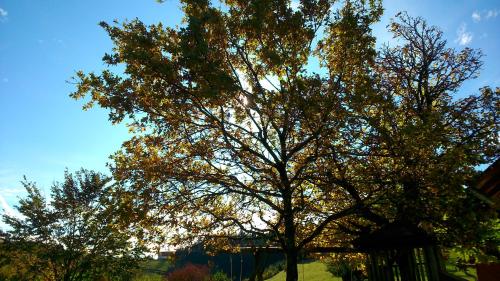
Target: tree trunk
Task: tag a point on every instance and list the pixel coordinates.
(292, 273)
(291, 251)
(259, 266)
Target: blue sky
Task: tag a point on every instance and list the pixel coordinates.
(43, 43)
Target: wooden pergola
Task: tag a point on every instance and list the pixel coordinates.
(401, 252)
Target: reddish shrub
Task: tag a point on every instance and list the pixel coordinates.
(190, 272)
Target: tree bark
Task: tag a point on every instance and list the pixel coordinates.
(292, 273)
(291, 251)
(259, 264)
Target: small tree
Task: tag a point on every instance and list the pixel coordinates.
(73, 237)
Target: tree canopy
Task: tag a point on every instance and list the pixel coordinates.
(72, 237)
(285, 122)
(421, 142)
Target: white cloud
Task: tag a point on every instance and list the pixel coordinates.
(6, 209)
(12, 192)
(464, 37)
(59, 42)
(10, 181)
(476, 16)
(491, 14)
(484, 15)
(243, 80)
(270, 83)
(3, 15)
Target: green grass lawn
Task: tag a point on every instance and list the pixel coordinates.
(471, 272)
(313, 271)
(148, 277)
(451, 267)
(150, 270)
(154, 265)
(316, 271)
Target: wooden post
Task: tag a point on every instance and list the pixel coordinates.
(241, 267)
(432, 264)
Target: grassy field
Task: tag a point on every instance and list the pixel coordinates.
(470, 276)
(155, 265)
(151, 270)
(313, 271)
(148, 277)
(451, 267)
(316, 271)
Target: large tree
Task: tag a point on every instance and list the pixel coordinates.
(424, 137)
(233, 130)
(74, 236)
(275, 121)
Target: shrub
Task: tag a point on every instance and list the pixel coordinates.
(273, 269)
(219, 276)
(344, 269)
(148, 277)
(190, 272)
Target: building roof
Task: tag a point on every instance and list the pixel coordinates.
(394, 235)
(489, 181)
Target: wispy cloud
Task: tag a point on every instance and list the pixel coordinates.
(10, 189)
(464, 37)
(491, 14)
(3, 14)
(12, 192)
(6, 209)
(52, 41)
(476, 16)
(10, 183)
(484, 15)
